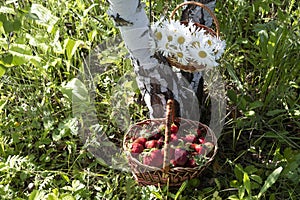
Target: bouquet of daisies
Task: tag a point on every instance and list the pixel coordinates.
(187, 43)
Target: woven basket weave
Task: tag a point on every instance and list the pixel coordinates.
(190, 67)
(149, 175)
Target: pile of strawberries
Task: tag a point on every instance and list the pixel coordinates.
(188, 148)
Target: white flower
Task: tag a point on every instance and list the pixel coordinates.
(203, 56)
(209, 42)
(199, 33)
(182, 56)
(186, 43)
(219, 48)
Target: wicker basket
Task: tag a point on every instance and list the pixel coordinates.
(190, 67)
(172, 176)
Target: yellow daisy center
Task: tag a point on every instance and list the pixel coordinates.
(158, 35)
(179, 55)
(170, 38)
(167, 45)
(209, 42)
(196, 43)
(202, 54)
(180, 39)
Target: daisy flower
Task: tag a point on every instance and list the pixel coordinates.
(209, 42)
(181, 38)
(182, 56)
(199, 33)
(203, 56)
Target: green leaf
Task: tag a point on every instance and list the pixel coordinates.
(75, 90)
(43, 16)
(272, 113)
(250, 169)
(233, 197)
(256, 178)
(36, 195)
(65, 177)
(256, 104)
(11, 26)
(181, 189)
(22, 54)
(247, 183)
(241, 192)
(7, 10)
(7, 60)
(52, 197)
(67, 197)
(2, 72)
(270, 181)
(71, 47)
(232, 95)
(234, 183)
(238, 171)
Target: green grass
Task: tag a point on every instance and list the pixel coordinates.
(42, 154)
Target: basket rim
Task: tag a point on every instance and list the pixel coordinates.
(202, 6)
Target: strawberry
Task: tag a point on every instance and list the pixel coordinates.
(174, 128)
(140, 140)
(137, 148)
(202, 140)
(190, 138)
(160, 142)
(191, 163)
(174, 139)
(181, 156)
(155, 136)
(151, 144)
(173, 163)
(155, 158)
(197, 147)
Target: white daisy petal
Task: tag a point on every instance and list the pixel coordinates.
(203, 56)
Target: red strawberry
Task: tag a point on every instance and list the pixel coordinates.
(174, 139)
(137, 148)
(151, 144)
(197, 147)
(190, 138)
(202, 140)
(140, 140)
(181, 157)
(155, 136)
(174, 128)
(160, 142)
(173, 163)
(155, 158)
(191, 163)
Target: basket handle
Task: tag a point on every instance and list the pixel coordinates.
(169, 121)
(202, 6)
